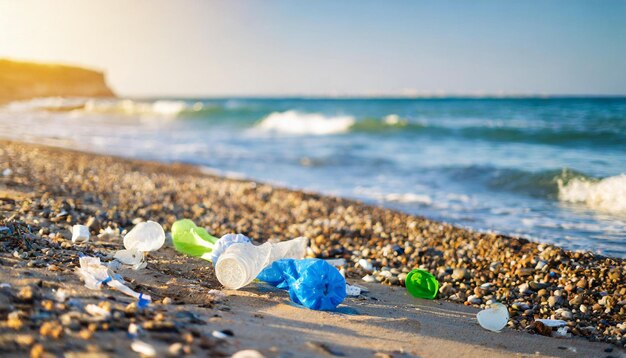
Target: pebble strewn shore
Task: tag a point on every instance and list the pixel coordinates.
(52, 189)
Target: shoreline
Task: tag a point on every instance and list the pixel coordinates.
(534, 280)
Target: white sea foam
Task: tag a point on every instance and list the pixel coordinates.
(159, 108)
(607, 195)
(299, 123)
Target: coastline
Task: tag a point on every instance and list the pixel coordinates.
(539, 280)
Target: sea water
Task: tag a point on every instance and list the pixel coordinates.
(549, 169)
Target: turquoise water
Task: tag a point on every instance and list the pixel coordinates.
(550, 169)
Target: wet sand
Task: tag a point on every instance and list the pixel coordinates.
(48, 190)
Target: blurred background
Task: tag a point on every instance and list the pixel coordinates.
(494, 115)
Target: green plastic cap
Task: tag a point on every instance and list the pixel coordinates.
(422, 284)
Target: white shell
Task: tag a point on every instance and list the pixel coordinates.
(145, 236)
(80, 233)
(493, 318)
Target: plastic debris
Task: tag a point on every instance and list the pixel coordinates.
(422, 284)
(241, 263)
(192, 240)
(562, 333)
(144, 237)
(227, 333)
(131, 257)
(313, 283)
(353, 290)
(366, 265)
(143, 348)
(95, 274)
(80, 233)
(552, 322)
(108, 233)
(493, 318)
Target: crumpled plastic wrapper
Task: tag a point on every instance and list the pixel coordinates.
(95, 274)
(313, 283)
(144, 237)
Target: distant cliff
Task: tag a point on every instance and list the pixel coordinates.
(24, 80)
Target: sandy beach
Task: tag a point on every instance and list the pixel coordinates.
(44, 191)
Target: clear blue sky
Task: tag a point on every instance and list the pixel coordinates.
(154, 47)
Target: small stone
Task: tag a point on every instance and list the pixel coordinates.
(565, 314)
(37, 351)
(495, 266)
(459, 274)
(582, 283)
(14, 321)
(474, 300)
(446, 289)
(248, 353)
(402, 278)
(540, 265)
(525, 271)
(25, 294)
(524, 289)
(554, 300)
(24, 339)
(167, 301)
(51, 329)
(520, 306)
(583, 309)
(577, 300)
(542, 329)
(80, 233)
(369, 278)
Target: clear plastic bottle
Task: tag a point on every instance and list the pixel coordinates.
(242, 262)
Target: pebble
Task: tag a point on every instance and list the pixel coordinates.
(248, 353)
(366, 265)
(143, 348)
(459, 274)
(25, 294)
(369, 278)
(554, 301)
(524, 289)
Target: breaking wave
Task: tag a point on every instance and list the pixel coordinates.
(606, 195)
(125, 107)
(299, 123)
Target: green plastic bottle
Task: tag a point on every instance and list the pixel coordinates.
(422, 284)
